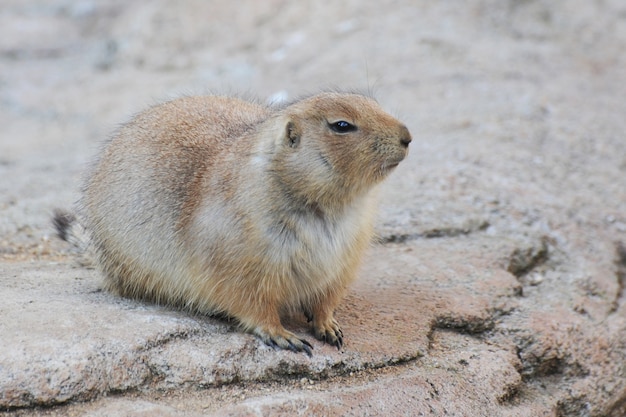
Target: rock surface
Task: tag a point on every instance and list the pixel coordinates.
(497, 284)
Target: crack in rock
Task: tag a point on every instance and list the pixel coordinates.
(546, 357)
(620, 263)
(474, 324)
(526, 259)
(469, 227)
(578, 406)
(465, 324)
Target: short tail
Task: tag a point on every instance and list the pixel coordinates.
(62, 221)
(70, 230)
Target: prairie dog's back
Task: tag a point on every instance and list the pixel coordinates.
(150, 173)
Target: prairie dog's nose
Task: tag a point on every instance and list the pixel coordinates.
(405, 136)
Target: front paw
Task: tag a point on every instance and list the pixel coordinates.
(329, 332)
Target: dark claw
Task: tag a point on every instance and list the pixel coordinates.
(306, 346)
(306, 343)
(338, 339)
(271, 343)
(339, 343)
(293, 347)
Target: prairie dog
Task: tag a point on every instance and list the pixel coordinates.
(219, 205)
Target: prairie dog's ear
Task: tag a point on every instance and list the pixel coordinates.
(292, 134)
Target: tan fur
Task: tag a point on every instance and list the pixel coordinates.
(221, 205)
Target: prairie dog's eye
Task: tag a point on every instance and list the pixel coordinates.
(342, 126)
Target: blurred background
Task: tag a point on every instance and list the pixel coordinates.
(499, 94)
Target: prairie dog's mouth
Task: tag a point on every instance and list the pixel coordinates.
(391, 163)
(389, 166)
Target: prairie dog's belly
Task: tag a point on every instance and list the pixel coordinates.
(300, 256)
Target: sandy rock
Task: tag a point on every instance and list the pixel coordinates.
(496, 286)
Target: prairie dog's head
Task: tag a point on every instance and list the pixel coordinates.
(334, 146)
